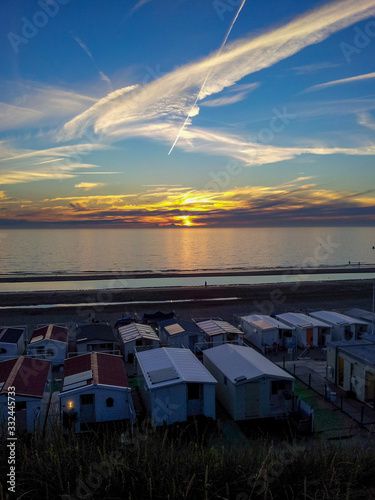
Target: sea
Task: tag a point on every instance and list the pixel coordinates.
(191, 250)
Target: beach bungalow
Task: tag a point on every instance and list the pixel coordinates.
(309, 331)
(351, 366)
(363, 315)
(27, 381)
(137, 335)
(249, 385)
(12, 341)
(181, 333)
(98, 337)
(343, 327)
(218, 332)
(174, 385)
(49, 342)
(266, 333)
(95, 390)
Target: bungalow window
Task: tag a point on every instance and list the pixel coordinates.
(20, 405)
(193, 391)
(3, 351)
(109, 402)
(40, 350)
(278, 385)
(138, 342)
(87, 399)
(225, 380)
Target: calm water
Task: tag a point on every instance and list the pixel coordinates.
(51, 251)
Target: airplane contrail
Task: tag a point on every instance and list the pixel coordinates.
(208, 75)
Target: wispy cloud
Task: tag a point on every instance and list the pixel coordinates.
(157, 110)
(229, 98)
(314, 68)
(89, 185)
(340, 82)
(138, 5)
(84, 47)
(366, 120)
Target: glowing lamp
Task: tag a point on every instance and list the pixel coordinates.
(70, 405)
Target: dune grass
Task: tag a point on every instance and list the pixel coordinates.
(185, 462)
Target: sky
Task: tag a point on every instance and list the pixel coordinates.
(213, 113)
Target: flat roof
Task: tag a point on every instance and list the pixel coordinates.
(216, 327)
(360, 314)
(52, 332)
(363, 353)
(168, 366)
(27, 375)
(242, 363)
(94, 368)
(337, 318)
(11, 335)
(254, 318)
(301, 320)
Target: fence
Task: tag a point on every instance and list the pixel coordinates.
(358, 411)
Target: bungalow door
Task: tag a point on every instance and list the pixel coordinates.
(251, 400)
(369, 387)
(310, 337)
(87, 408)
(194, 399)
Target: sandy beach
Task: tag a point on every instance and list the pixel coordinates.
(188, 302)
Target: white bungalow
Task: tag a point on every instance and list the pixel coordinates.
(363, 315)
(12, 341)
(351, 366)
(180, 332)
(249, 385)
(343, 327)
(49, 342)
(30, 380)
(137, 335)
(174, 385)
(309, 331)
(218, 332)
(96, 337)
(95, 390)
(265, 332)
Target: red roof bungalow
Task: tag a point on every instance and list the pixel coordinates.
(25, 381)
(49, 342)
(95, 389)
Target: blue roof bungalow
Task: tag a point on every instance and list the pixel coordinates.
(175, 385)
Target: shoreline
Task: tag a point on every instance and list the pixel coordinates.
(280, 293)
(24, 278)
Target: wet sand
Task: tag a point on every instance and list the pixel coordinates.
(352, 268)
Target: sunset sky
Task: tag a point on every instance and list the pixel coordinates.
(270, 107)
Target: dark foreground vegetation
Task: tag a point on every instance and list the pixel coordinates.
(186, 462)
